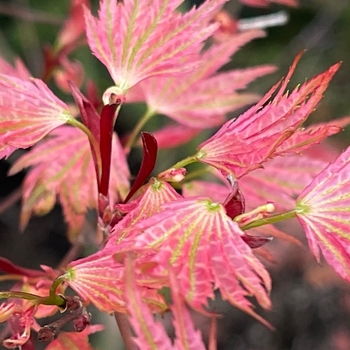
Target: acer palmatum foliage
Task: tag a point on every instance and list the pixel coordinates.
(166, 235)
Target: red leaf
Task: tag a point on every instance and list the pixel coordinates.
(150, 149)
(234, 203)
(9, 267)
(106, 132)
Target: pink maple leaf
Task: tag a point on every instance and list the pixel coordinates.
(135, 40)
(99, 279)
(197, 238)
(71, 176)
(323, 210)
(150, 334)
(202, 97)
(242, 145)
(28, 112)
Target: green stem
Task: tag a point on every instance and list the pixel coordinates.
(270, 220)
(55, 284)
(182, 163)
(136, 131)
(55, 300)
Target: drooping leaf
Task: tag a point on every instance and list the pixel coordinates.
(187, 337)
(28, 112)
(323, 209)
(71, 176)
(150, 335)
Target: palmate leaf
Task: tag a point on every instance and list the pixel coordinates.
(204, 247)
(242, 145)
(138, 39)
(323, 209)
(71, 176)
(201, 98)
(28, 112)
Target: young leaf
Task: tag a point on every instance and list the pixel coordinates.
(150, 149)
(323, 209)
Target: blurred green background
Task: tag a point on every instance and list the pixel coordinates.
(312, 308)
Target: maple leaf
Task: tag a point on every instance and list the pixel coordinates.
(155, 194)
(242, 145)
(71, 176)
(197, 238)
(136, 40)
(201, 98)
(323, 209)
(150, 334)
(28, 112)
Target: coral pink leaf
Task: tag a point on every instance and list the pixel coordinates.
(280, 181)
(98, 279)
(28, 112)
(8, 267)
(304, 138)
(187, 337)
(183, 234)
(150, 335)
(243, 145)
(156, 194)
(135, 40)
(150, 149)
(71, 176)
(323, 210)
(234, 203)
(107, 120)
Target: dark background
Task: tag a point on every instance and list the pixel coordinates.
(311, 305)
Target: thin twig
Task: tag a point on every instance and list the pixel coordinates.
(125, 330)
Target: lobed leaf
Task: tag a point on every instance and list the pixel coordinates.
(28, 112)
(135, 40)
(242, 145)
(323, 209)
